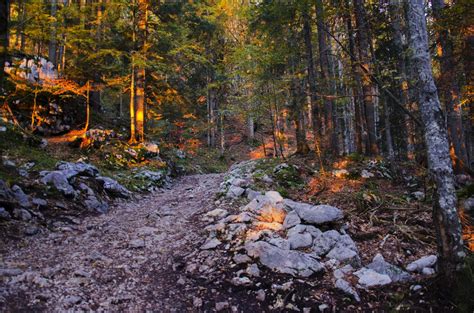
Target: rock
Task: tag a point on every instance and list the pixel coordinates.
(93, 204)
(112, 187)
(59, 179)
(418, 265)
(300, 240)
(270, 213)
(241, 281)
(154, 177)
(260, 295)
(211, 244)
(323, 307)
(31, 230)
(370, 278)
(217, 213)
(341, 272)
(340, 173)
(136, 243)
(366, 174)
(291, 220)
(345, 287)
(239, 182)
(274, 196)
(151, 148)
(243, 217)
(415, 288)
(279, 242)
(418, 195)
(5, 192)
(9, 164)
(395, 273)
(235, 192)
(468, 206)
(344, 255)
(39, 203)
(3, 129)
(81, 168)
(147, 231)
(22, 214)
(267, 179)
(253, 270)
(319, 214)
(252, 194)
(284, 261)
(197, 302)
(324, 242)
(22, 199)
(222, 306)
(241, 258)
(72, 300)
(275, 226)
(4, 214)
(427, 271)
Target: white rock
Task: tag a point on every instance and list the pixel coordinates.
(300, 240)
(253, 270)
(274, 196)
(217, 213)
(345, 287)
(211, 244)
(235, 192)
(427, 271)
(370, 278)
(291, 220)
(418, 265)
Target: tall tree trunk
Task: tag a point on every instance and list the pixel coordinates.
(133, 134)
(445, 215)
(368, 87)
(311, 79)
(52, 39)
(450, 91)
(4, 18)
(326, 77)
(468, 62)
(140, 98)
(395, 14)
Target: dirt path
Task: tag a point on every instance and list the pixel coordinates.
(126, 260)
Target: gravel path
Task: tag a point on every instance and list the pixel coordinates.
(126, 260)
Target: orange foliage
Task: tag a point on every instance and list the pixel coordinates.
(467, 230)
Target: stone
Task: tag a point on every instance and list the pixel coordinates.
(381, 266)
(284, 261)
(31, 230)
(136, 243)
(319, 214)
(345, 287)
(344, 255)
(22, 199)
(197, 302)
(211, 244)
(156, 177)
(217, 213)
(274, 196)
(4, 214)
(427, 271)
(241, 281)
(72, 300)
(93, 204)
(418, 195)
(324, 242)
(253, 270)
(235, 192)
(22, 214)
(59, 180)
(279, 242)
(239, 182)
(243, 217)
(267, 179)
(303, 240)
(418, 265)
(3, 129)
(323, 307)
(81, 168)
(241, 258)
(260, 295)
(270, 213)
(291, 219)
(275, 226)
(39, 203)
(252, 194)
(111, 186)
(370, 278)
(366, 174)
(222, 306)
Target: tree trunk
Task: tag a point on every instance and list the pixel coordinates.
(140, 98)
(4, 18)
(450, 91)
(52, 39)
(368, 88)
(311, 79)
(133, 137)
(445, 215)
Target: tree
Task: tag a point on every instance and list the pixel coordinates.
(445, 215)
(4, 17)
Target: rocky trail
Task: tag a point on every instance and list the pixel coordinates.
(129, 259)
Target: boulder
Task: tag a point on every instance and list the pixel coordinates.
(252, 194)
(370, 278)
(111, 186)
(58, 179)
(284, 261)
(303, 240)
(81, 168)
(291, 220)
(418, 265)
(319, 214)
(235, 192)
(274, 196)
(344, 255)
(381, 266)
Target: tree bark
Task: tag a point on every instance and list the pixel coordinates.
(4, 19)
(140, 98)
(368, 88)
(52, 39)
(450, 90)
(445, 215)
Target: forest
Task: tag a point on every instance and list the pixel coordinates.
(236, 155)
